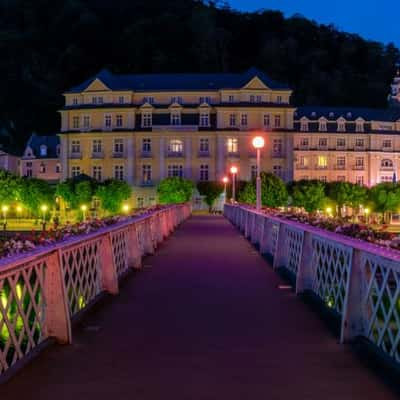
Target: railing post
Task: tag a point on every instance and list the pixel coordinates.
(134, 252)
(57, 321)
(304, 276)
(109, 274)
(353, 317)
(280, 248)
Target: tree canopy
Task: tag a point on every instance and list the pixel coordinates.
(112, 193)
(309, 195)
(210, 190)
(174, 190)
(42, 40)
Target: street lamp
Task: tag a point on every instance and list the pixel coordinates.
(366, 212)
(225, 180)
(4, 210)
(84, 209)
(234, 171)
(19, 211)
(258, 144)
(125, 208)
(44, 209)
(329, 211)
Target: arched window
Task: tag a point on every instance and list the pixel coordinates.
(43, 150)
(387, 163)
(175, 146)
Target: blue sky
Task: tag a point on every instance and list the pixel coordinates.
(372, 19)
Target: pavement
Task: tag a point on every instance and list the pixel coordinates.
(204, 319)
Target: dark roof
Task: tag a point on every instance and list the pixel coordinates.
(348, 113)
(178, 82)
(35, 141)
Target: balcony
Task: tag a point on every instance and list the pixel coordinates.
(203, 154)
(302, 166)
(233, 154)
(146, 154)
(118, 154)
(175, 154)
(358, 167)
(340, 167)
(321, 167)
(76, 155)
(147, 183)
(96, 155)
(277, 154)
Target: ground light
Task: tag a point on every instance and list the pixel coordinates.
(258, 144)
(329, 211)
(125, 208)
(44, 209)
(84, 209)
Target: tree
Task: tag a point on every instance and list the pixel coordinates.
(273, 191)
(34, 193)
(358, 195)
(385, 198)
(210, 190)
(10, 186)
(339, 192)
(174, 190)
(84, 192)
(112, 193)
(309, 195)
(66, 190)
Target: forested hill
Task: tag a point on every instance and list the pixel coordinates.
(50, 45)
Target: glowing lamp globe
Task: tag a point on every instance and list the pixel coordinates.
(43, 208)
(258, 142)
(83, 207)
(234, 170)
(225, 179)
(125, 208)
(4, 209)
(19, 209)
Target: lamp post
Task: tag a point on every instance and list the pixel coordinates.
(234, 171)
(225, 181)
(84, 209)
(4, 210)
(366, 212)
(258, 144)
(44, 209)
(125, 208)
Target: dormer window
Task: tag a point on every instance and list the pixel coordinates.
(205, 99)
(175, 118)
(304, 125)
(341, 125)
(359, 126)
(43, 150)
(204, 119)
(75, 101)
(147, 119)
(323, 125)
(279, 99)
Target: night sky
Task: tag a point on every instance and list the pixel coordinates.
(373, 19)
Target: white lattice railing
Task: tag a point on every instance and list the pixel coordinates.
(42, 291)
(359, 281)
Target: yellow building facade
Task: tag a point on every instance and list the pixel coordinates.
(143, 128)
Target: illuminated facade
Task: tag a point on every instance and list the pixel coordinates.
(143, 128)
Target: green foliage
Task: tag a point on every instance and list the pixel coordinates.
(174, 190)
(10, 186)
(273, 191)
(358, 196)
(112, 193)
(34, 193)
(308, 194)
(211, 191)
(200, 38)
(84, 192)
(385, 197)
(76, 192)
(66, 190)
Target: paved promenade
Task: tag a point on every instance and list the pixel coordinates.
(204, 319)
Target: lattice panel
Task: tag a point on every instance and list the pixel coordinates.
(382, 303)
(294, 247)
(119, 242)
(140, 232)
(274, 234)
(21, 312)
(81, 269)
(330, 267)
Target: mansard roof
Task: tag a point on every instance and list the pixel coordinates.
(51, 142)
(178, 82)
(313, 113)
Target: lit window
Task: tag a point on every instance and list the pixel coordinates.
(175, 146)
(232, 145)
(204, 172)
(303, 161)
(322, 162)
